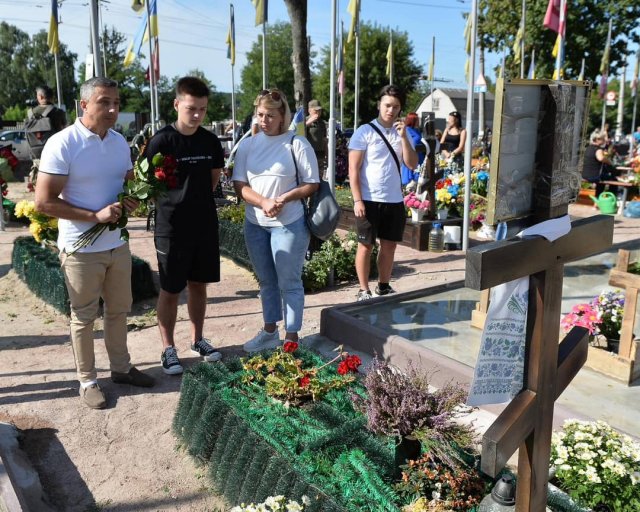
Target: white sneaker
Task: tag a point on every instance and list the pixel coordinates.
(262, 341)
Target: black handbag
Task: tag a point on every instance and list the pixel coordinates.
(321, 210)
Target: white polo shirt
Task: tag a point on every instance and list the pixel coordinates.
(96, 169)
(379, 174)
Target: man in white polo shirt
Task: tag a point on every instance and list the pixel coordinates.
(375, 152)
(82, 171)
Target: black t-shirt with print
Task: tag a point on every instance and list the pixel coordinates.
(189, 209)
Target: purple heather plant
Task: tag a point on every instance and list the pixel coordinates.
(399, 404)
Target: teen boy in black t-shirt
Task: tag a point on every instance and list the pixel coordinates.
(186, 233)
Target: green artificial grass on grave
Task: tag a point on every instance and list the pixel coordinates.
(256, 447)
(39, 268)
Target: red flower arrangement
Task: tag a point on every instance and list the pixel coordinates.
(146, 186)
(4, 188)
(285, 378)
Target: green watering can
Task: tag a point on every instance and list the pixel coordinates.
(607, 203)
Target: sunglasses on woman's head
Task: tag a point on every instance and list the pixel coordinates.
(275, 95)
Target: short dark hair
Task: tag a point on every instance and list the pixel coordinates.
(193, 86)
(45, 91)
(392, 90)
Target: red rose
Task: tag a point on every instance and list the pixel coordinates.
(304, 381)
(290, 346)
(343, 369)
(172, 181)
(30, 187)
(160, 174)
(353, 362)
(5, 192)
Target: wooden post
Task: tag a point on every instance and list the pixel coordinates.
(527, 420)
(622, 278)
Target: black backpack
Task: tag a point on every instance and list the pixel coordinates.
(38, 129)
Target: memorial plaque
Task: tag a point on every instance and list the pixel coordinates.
(537, 147)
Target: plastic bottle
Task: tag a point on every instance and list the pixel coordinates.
(501, 231)
(436, 238)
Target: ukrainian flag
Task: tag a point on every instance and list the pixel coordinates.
(231, 39)
(297, 123)
(354, 9)
(261, 11)
(52, 38)
(134, 46)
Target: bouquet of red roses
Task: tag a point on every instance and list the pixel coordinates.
(149, 182)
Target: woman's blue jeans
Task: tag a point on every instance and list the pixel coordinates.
(277, 255)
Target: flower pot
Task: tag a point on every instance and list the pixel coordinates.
(417, 214)
(613, 345)
(407, 448)
(443, 214)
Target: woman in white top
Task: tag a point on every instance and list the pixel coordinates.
(272, 184)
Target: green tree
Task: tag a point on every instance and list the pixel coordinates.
(27, 63)
(279, 52)
(374, 42)
(587, 26)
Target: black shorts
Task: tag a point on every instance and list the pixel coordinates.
(382, 220)
(181, 260)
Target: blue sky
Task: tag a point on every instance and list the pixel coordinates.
(193, 32)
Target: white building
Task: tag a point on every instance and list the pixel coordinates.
(444, 101)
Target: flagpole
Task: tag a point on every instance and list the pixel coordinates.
(264, 55)
(342, 73)
(331, 167)
(432, 67)
(620, 117)
(152, 71)
(604, 93)
(95, 40)
(524, 25)
(391, 57)
(356, 84)
(561, 31)
(233, 86)
(634, 91)
(469, 126)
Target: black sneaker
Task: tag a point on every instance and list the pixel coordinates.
(385, 290)
(170, 362)
(203, 348)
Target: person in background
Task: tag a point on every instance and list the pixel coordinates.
(597, 166)
(186, 233)
(82, 171)
(453, 139)
(316, 130)
(374, 176)
(57, 121)
(411, 123)
(274, 170)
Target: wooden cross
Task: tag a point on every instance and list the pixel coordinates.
(527, 421)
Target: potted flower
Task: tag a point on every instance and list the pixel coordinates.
(418, 204)
(597, 466)
(450, 194)
(407, 407)
(602, 316)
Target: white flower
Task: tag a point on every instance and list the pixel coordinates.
(294, 506)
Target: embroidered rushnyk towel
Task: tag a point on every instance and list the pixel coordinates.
(498, 375)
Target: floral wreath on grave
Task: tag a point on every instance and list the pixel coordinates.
(287, 378)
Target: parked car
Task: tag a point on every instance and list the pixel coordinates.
(18, 140)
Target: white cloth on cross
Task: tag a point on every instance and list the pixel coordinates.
(499, 371)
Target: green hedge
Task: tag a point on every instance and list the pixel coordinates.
(40, 269)
(256, 447)
(231, 236)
